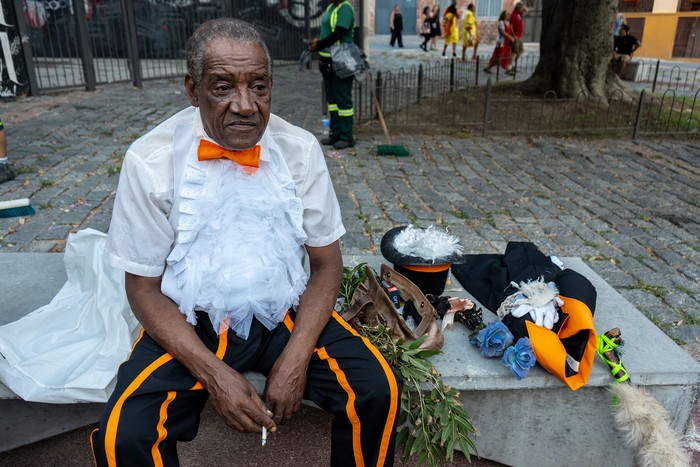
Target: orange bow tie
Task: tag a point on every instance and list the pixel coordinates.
(249, 159)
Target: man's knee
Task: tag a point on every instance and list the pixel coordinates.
(382, 394)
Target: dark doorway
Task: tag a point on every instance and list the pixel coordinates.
(687, 43)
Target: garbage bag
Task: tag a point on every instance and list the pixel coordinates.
(348, 60)
(69, 350)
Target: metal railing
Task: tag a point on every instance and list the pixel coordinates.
(447, 96)
(74, 43)
(658, 76)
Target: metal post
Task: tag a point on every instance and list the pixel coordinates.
(420, 81)
(132, 48)
(81, 36)
(378, 90)
(452, 74)
(307, 23)
(638, 120)
(235, 8)
(361, 38)
(656, 75)
(476, 78)
(485, 127)
(26, 50)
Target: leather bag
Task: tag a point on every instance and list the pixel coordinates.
(371, 306)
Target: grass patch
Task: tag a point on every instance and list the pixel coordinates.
(45, 183)
(46, 205)
(26, 169)
(590, 243)
(541, 195)
(609, 259)
(459, 214)
(655, 290)
(685, 290)
(114, 169)
(639, 258)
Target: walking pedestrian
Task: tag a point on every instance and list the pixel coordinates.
(425, 31)
(502, 53)
(516, 24)
(396, 26)
(434, 26)
(450, 31)
(470, 35)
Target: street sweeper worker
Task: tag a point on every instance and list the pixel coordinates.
(337, 26)
(215, 209)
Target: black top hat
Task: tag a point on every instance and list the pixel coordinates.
(428, 273)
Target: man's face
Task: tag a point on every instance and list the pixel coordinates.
(234, 93)
(623, 32)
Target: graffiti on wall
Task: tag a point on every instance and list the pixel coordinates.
(11, 75)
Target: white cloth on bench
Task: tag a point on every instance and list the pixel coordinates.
(69, 350)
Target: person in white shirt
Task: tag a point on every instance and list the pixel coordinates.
(215, 210)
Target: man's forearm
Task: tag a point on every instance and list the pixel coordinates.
(162, 320)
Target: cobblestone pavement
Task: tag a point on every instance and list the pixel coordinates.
(631, 209)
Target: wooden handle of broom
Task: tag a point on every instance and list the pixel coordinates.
(379, 112)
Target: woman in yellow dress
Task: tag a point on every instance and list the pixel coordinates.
(450, 31)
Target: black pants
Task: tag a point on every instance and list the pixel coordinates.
(339, 99)
(157, 402)
(396, 35)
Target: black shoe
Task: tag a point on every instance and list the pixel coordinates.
(329, 140)
(342, 144)
(6, 173)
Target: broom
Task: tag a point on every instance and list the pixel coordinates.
(386, 149)
(16, 208)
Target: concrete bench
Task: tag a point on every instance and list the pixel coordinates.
(518, 422)
(633, 70)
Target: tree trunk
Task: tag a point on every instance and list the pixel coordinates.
(576, 49)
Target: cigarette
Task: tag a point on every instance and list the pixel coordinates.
(264, 436)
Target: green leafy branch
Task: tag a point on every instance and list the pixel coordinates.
(432, 421)
(352, 277)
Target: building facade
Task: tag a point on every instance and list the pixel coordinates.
(668, 29)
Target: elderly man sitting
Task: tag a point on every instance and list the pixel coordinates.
(214, 212)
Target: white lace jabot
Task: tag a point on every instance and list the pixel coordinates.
(239, 243)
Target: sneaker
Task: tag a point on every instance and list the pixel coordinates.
(6, 173)
(329, 140)
(342, 144)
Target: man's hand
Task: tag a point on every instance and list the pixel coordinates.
(287, 378)
(237, 402)
(313, 45)
(285, 386)
(233, 396)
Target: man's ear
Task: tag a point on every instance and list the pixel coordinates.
(192, 91)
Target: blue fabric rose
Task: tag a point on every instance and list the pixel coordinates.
(494, 339)
(519, 358)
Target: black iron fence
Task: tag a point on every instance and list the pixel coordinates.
(448, 95)
(74, 43)
(657, 76)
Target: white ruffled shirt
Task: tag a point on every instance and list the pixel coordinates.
(169, 219)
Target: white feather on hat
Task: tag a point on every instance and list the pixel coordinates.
(428, 243)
